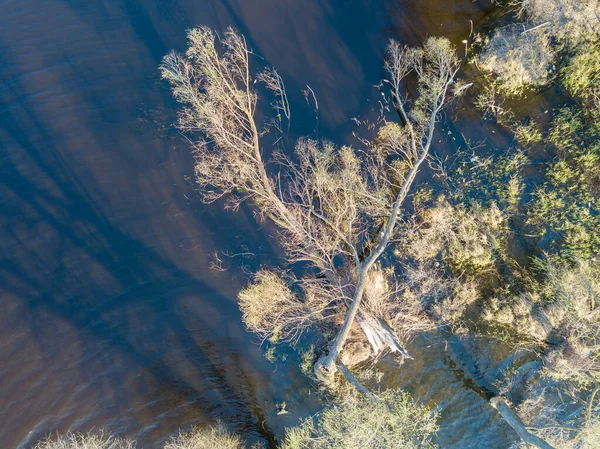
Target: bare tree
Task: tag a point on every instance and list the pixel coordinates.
(336, 208)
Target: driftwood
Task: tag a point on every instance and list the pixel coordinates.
(500, 404)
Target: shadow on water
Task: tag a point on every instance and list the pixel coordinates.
(146, 279)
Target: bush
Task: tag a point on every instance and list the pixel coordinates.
(100, 440)
(582, 74)
(465, 238)
(430, 298)
(519, 60)
(563, 313)
(271, 310)
(393, 421)
(561, 438)
(564, 209)
(574, 294)
(211, 437)
(572, 21)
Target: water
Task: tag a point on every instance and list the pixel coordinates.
(110, 317)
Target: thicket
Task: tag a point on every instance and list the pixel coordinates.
(519, 229)
(357, 421)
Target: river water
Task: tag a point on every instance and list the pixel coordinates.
(109, 314)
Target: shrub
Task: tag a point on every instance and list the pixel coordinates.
(522, 318)
(519, 60)
(573, 21)
(582, 74)
(465, 238)
(497, 180)
(528, 133)
(565, 438)
(211, 437)
(393, 421)
(562, 312)
(565, 207)
(100, 440)
(575, 292)
(271, 310)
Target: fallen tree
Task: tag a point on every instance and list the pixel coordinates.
(327, 202)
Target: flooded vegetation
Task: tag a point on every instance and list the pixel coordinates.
(324, 241)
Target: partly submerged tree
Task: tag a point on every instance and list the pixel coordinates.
(336, 208)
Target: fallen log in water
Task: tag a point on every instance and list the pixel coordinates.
(500, 404)
(354, 381)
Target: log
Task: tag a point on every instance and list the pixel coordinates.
(500, 404)
(354, 381)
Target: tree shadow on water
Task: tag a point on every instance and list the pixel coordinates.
(53, 243)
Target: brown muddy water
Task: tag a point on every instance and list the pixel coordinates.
(109, 314)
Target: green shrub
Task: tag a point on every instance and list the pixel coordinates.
(582, 74)
(528, 133)
(565, 207)
(495, 180)
(211, 437)
(393, 421)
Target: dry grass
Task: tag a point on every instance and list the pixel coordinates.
(519, 59)
(452, 252)
(564, 438)
(574, 293)
(379, 294)
(563, 309)
(429, 298)
(524, 314)
(212, 437)
(98, 440)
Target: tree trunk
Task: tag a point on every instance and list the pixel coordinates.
(499, 403)
(325, 366)
(355, 382)
(380, 335)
